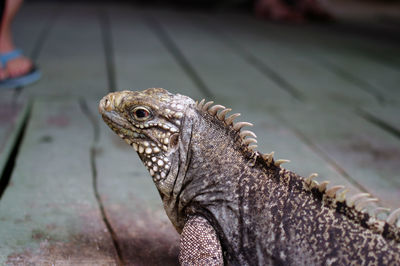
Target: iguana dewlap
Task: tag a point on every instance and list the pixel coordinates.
(233, 205)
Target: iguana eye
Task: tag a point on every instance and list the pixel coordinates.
(141, 113)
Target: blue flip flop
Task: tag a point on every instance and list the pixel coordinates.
(32, 76)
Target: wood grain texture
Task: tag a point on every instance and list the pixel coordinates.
(13, 114)
(368, 154)
(141, 59)
(49, 214)
(72, 56)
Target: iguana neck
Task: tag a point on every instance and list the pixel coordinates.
(216, 160)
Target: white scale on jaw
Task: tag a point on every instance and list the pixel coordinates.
(156, 162)
(157, 166)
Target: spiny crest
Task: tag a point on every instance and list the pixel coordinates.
(332, 195)
(218, 111)
(248, 137)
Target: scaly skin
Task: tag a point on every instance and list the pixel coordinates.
(213, 184)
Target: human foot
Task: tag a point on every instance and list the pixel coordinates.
(16, 64)
(19, 71)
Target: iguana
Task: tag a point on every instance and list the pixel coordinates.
(233, 205)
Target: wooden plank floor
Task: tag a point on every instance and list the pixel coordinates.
(72, 193)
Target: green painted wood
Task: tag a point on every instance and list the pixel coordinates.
(334, 52)
(388, 114)
(27, 29)
(382, 77)
(12, 117)
(72, 56)
(316, 83)
(48, 214)
(141, 59)
(227, 74)
(368, 154)
(335, 37)
(31, 25)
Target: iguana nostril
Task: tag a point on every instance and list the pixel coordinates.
(107, 105)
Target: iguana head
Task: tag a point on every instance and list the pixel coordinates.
(151, 122)
(183, 144)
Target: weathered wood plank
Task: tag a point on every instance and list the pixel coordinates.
(388, 114)
(227, 74)
(32, 24)
(72, 56)
(141, 59)
(12, 117)
(329, 38)
(332, 52)
(316, 83)
(49, 214)
(27, 30)
(380, 76)
(368, 154)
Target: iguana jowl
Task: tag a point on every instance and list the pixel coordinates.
(234, 205)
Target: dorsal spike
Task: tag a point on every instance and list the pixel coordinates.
(252, 147)
(247, 133)
(322, 186)
(356, 197)
(310, 178)
(221, 115)
(201, 103)
(332, 191)
(214, 109)
(379, 210)
(281, 161)
(230, 118)
(206, 105)
(249, 140)
(393, 216)
(314, 184)
(341, 197)
(237, 126)
(360, 205)
(268, 156)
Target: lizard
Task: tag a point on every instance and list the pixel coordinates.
(234, 205)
